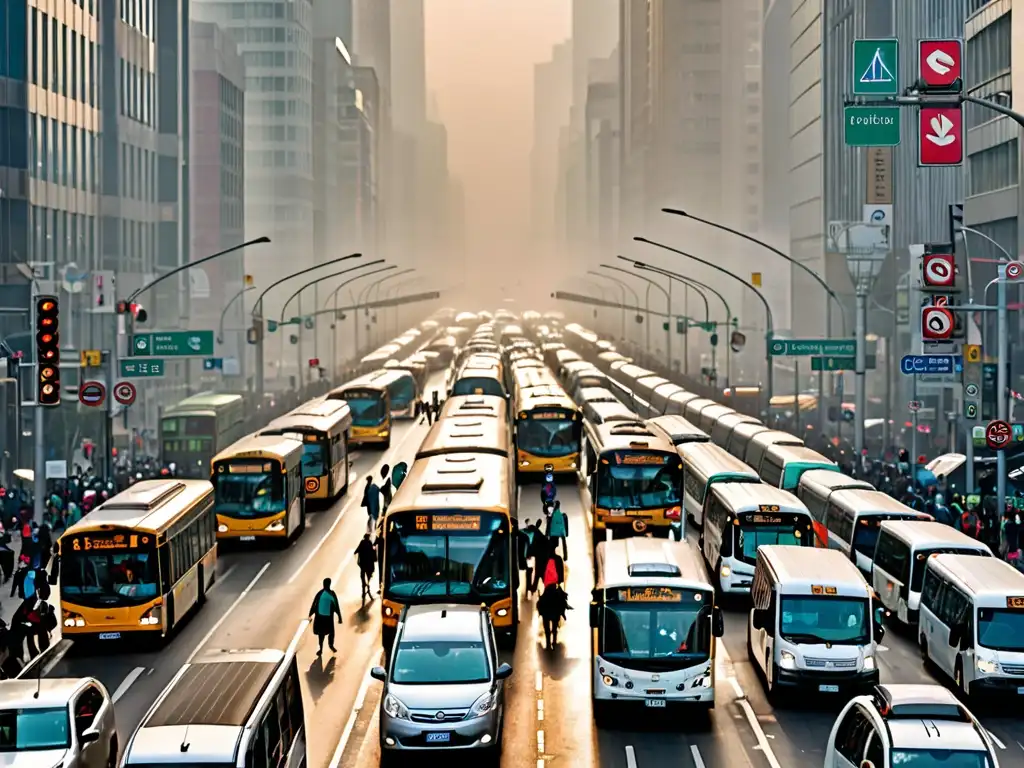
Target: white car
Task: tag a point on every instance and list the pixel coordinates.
(902, 725)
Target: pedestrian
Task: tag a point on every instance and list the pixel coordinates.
(970, 523)
(558, 529)
(322, 611)
(45, 539)
(538, 552)
(428, 413)
(552, 607)
(366, 559)
(371, 503)
(385, 485)
(554, 566)
(21, 575)
(6, 556)
(548, 491)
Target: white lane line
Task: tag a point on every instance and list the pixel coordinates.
(630, 758)
(995, 739)
(346, 734)
(540, 742)
(698, 761)
(540, 762)
(540, 710)
(227, 613)
(127, 683)
(748, 711)
(222, 577)
(539, 683)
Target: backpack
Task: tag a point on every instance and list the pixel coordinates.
(550, 573)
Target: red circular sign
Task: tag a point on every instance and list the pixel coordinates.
(92, 394)
(998, 434)
(1014, 270)
(124, 392)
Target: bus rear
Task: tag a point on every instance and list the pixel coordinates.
(258, 495)
(634, 490)
(548, 438)
(371, 414)
(189, 441)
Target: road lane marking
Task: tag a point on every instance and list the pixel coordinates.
(748, 711)
(227, 613)
(540, 742)
(350, 725)
(540, 710)
(630, 758)
(539, 684)
(222, 577)
(127, 683)
(698, 761)
(995, 739)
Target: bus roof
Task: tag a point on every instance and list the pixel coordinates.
(340, 419)
(711, 459)
(466, 434)
(471, 481)
(630, 436)
(775, 437)
(750, 497)
(862, 500)
(612, 412)
(813, 570)
(321, 407)
(982, 576)
(823, 482)
(149, 505)
(797, 453)
(926, 533)
(677, 429)
(543, 397)
(203, 402)
(639, 561)
(280, 447)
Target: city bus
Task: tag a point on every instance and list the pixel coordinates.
(548, 433)
(473, 379)
(705, 464)
(449, 536)
(259, 489)
(475, 405)
(635, 480)
(784, 464)
(323, 427)
(653, 612)
(467, 433)
(370, 405)
(140, 562)
(815, 488)
(740, 517)
(196, 429)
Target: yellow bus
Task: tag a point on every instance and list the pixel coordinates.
(323, 427)
(450, 537)
(259, 489)
(375, 400)
(467, 433)
(138, 563)
(635, 478)
(548, 432)
(475, 405)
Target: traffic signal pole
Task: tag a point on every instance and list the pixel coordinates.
(39, 475)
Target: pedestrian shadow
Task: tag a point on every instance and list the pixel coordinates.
(363, 616)
(319, 675)
(554, 663)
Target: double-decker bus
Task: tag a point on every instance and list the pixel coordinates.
(549, 432)
(323, 427)
(194, 430)
(450, 537)
(259, 489)
(635, 478)
(137, 564)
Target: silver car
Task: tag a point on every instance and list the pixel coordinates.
(57, 723)
(444, 687)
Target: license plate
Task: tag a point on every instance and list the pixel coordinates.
(656, 703)
(439, 737)
(617, 512)
(1020, 690)
(110, 635)
(247, 538)
(828, 688)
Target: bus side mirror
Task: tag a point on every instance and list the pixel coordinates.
(717, 622)
(595, 617)
(760, 618)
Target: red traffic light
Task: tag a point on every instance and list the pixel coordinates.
(48, 350)
(314, 362)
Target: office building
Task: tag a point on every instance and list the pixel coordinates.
(408, 65)
(552, 92)
(634, 111)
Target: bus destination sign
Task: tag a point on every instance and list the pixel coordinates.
(91, 542)
(641, 458)
(1016, 603)
(247, 468)
(549, 415)
(360, 394)
(650, 595)
(758, 519)
(447, 522)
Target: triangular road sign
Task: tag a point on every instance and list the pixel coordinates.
(877, 71)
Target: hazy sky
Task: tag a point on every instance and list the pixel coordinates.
(480, 57)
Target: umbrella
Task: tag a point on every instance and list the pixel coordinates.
(25, 474)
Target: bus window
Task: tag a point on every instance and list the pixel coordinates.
(638, 486)
(549, 436)
(314, 457)
(368, 408)
(250, 489)
(673, 631)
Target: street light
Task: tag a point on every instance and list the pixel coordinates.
(365, 293)
(623, 287)
(647, 309)
(220, 326)
(393, 291)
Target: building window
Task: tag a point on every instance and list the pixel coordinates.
(988, 52)
(993, 168)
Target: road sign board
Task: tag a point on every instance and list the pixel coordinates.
(998, 434)
(92, 394)
(125, 392)
(842, 363)
(937, 324)
(940, 62)
(807, 347)
(91, 358)
(1014, 270)
(173, 344)
(972, 353)
(213, 364)
(871, 126)
(931, 365)
(140, 369)
(876, 67)
(940, 136)
(914, 406)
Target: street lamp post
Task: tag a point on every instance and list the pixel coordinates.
(393, 291)
(364, 294)
(355, 317)
(647, 310)
(223, 313)
(623, 287)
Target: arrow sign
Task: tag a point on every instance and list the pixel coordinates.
(941, 136)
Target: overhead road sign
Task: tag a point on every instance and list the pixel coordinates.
(808, 347)
(876, 67)
(941, 136)
(931, 365)
(871, 126)
(173, 344)
(842, 363)
(940, 64)
(141, 369)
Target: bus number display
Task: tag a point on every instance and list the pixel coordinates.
(640, 458)
(549, 415)
(360, 394)
(248, 468)
(116, 542)
(1015, 602)
(447, 522)
(650, 595)
(766, 520)
(818, 589)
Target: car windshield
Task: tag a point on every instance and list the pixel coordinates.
(1001, 629)
(639, 486)
(34, 729)
(98, 578)
(249, 495)
(440, 662)
(314, 459)
(657, 635)
(825, 619)
(939, 758)
(549, 437)
(367, 409)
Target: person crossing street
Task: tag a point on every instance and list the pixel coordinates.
(322, 611)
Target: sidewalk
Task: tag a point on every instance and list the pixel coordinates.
(9, 606)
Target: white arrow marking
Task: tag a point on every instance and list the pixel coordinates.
(940, 62)
(941, 127)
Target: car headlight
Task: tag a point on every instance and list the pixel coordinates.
(869, 662)
(787, 660)
(394, 708)
(484, 704)
(986, 667)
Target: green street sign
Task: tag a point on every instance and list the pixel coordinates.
(842, 363)
(141, 369)
(664, 326)
(808, 347)
(173, 344)
(871, 126)
(876, 67)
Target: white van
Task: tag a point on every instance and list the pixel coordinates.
(900, 557)
(812, 626)
(972, 622)
(705, 464)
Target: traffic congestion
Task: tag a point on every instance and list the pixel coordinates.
(502, 539)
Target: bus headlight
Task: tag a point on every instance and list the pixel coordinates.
(275, 527)
(73, 619)
(869, 662)
(389, 611)
(725, 572)
(222, 528)
(986, 667)
(610, 681)
(152, 617)
(787, 660)
(501, 612)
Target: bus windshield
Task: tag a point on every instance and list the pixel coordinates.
(1001, 629)
(249, 489)
(756, 530)
(478, 385)
(367, 407)
(654, 630)
(447, 554)
(314, 457)
(402, 392)
(101, 569)
(549, 434)
(639, 481)
(821, 619)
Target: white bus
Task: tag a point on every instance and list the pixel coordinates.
(972, 623)
(741, 437)
(900, 557)
(759, 444)
(814, 488)
(705, 464)
(725, 425)
(655, 623)
(812, 626)
(739, 518)
(678, 430)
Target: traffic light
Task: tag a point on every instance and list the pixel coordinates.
(48, 350)
(134, 309)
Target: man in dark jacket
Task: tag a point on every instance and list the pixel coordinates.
(366, 559)
(324, 608)
(538, 552)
